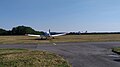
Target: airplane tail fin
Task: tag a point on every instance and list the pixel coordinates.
(49, 32)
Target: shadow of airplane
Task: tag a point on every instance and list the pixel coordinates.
(117, 60)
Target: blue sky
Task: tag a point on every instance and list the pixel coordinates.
(61, 15)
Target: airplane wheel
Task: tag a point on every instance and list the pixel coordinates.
(53, 38)
(41, 38)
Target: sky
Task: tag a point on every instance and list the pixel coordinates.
(61, 15)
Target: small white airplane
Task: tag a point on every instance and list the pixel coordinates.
(46, 35)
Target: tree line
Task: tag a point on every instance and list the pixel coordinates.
(19, 30)
(22, 30)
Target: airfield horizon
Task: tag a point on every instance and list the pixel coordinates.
(67, 38)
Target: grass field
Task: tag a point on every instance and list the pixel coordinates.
(67, 38)
(116, 50)
(28, 58)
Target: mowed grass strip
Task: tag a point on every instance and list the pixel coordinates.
(20, 40)
(89, 38)
(28, 58)
(66, 38)
(116, 50)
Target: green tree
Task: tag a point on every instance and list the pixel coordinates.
(22, 30)
(3, 32)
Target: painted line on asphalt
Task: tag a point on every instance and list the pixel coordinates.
(54, 43)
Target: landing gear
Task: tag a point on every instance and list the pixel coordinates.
(53, 38)
(41, 38)
(46, 38)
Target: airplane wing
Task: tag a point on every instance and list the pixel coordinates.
(58, 35)
(33, 35)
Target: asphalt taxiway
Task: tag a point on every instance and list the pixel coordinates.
(90, 54)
